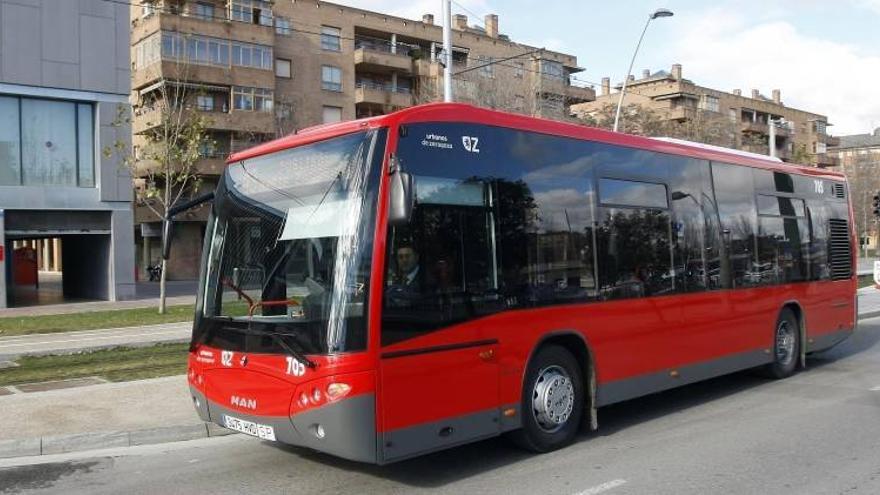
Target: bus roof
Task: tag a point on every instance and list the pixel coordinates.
(460, 112)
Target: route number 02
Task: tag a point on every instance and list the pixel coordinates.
(295, 367)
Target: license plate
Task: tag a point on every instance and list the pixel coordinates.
(249, 428)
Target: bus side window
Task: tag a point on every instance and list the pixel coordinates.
(633, 239)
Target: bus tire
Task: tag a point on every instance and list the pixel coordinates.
(552, 401)
(786, 346)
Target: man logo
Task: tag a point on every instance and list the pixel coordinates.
(243, 402)
(470, 143)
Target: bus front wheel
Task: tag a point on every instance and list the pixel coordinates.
(786, 346)
(552, 401)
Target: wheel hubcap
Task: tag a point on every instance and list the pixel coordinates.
(785, 343)
(552, 398)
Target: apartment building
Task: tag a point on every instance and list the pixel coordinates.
(66, 228)
(859, 157)
(261, 69)
(799, 135)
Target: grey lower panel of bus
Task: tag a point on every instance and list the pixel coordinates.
(349, 426)
(630, 388)
(438, 435)
(826, 341)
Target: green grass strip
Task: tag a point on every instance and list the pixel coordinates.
(117, 364)
(24, 325)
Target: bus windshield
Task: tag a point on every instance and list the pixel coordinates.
(287, 249)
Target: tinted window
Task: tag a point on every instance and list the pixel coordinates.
(503, 220)
(782, 243)
(634, 247)
(735, 197)
(779, 206)
(632, 193)
(693, 226)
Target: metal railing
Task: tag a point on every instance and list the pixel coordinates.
(378, 86)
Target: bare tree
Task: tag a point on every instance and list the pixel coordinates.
(170, 138)
(864, 183)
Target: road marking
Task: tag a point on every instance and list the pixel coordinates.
(604, 487)
(141, 330)
(181, 333)
(875, 389)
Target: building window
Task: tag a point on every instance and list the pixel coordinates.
(204, 11)
(205, 103)
(282, 26)
(710, 103)
(248, 55)
(282, 68)
(519, 70)
(330, 39)
(147, 9)
(10, 142)
(332, 114)
(552, 69)
(488, 68)
(46, 143)
(252, 99)
(820, 127)
(200, 50)
(251, 11)
(148, 51)
(331, 78)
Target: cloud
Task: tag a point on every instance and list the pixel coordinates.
(723, 50)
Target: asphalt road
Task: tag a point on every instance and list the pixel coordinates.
(817, 432)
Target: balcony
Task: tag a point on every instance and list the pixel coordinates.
(579, 94)
(375, 58)
(824, 160)
(202, 74)
(146, 119)
(216, 28)
(383, 95)
(755, 127)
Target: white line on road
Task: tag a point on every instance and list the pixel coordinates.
(875, 389)
(109, 337)
(141, 330)
(604, 487)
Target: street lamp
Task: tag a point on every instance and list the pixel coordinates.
(657, 13)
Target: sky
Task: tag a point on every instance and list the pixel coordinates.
(823, 55)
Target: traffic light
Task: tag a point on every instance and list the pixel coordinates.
(877, 205)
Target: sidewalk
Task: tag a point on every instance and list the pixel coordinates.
(69, 342)
(869, 302)
(100, 416)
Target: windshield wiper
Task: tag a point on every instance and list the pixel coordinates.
(298, 354)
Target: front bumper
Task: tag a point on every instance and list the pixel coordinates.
(349, 425)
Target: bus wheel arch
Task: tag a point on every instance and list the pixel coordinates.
(801, 318)
(575, 343)
(787, 344)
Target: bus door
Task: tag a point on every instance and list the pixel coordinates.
(439, 365)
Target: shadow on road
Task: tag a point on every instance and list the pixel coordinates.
(477, 459)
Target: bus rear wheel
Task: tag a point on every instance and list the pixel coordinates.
(786, 346)
(552, 401)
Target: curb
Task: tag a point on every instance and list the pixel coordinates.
(59, 444)
(869, 314)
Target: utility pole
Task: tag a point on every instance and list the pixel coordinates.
(771, 141)
(447, 50)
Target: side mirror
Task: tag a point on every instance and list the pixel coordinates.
(167, 234)
(402, 197)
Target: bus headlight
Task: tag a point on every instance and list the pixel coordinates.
(337, 390)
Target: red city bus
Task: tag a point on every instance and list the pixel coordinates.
(388, 287)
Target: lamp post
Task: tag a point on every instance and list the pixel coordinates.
(657, 13)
